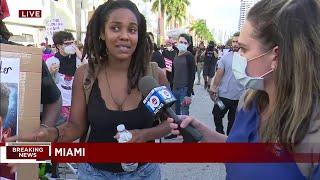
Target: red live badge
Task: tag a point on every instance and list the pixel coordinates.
(30, 13)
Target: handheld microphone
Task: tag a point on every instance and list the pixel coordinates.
(158, 98)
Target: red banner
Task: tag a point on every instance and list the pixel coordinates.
(154, 152)
(174, 152)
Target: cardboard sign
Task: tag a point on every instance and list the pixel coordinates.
(24, 64)
(9, 82)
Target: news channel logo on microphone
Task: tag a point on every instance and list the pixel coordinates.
(158, 98)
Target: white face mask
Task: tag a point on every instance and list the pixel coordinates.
(239, 66)
(69, 50)
(169, 48)
(182, 47)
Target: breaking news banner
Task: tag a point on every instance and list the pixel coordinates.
(145, 152)
(22, 152)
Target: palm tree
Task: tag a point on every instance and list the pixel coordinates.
(174, 9)
(177, 11)
(155, 8)
(201, 30)
(78, 7)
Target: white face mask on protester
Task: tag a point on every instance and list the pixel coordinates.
(69, 50)
(182, 47)
(239, 66)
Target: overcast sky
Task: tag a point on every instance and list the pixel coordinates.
(219, 14)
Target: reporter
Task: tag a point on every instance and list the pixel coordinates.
(279, 62)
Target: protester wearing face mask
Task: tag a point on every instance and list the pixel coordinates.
(209, 65)
(63, 66)
(278, 62)
(169, 54)
(183, 75)
(226, 87)
(200, 60)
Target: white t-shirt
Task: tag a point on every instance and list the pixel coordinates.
(63, 82)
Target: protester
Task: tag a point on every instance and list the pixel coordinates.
(183, 72)
(200, 60)
(210, 60)
(190, 46)
(226, 88)
(220, 52)
(156, 54)
(169, 54)
(158, 58)
(46, 50)
(63, 67)
(118, 54)
(279, 62)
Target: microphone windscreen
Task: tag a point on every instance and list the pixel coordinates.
(146, 84)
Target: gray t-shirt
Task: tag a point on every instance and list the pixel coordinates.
(230, 87)
(180, 78)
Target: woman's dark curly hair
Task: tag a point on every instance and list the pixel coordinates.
(95, 48)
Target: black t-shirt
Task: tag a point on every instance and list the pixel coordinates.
(169, 54)
(49, 90)
(158, 58)
(68, 64)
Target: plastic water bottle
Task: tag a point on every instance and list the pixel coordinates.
(219, 103)
(125, 136)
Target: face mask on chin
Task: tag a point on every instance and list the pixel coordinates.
(239, 66)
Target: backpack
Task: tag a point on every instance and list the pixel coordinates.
(89, 79)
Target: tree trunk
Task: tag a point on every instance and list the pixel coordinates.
(161, 28)
(78, 18)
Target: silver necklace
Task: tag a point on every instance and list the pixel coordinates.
(120, 105)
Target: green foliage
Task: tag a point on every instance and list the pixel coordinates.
(201, 30)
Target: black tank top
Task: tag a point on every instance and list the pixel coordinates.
(104, 123)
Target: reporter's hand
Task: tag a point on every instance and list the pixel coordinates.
(185, 121)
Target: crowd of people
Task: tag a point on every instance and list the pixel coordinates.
(267, 82)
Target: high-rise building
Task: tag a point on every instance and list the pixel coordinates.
(245, 6)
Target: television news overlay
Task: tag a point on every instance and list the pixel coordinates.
(25, 152)
(30, 13)
(37, 152)
(158, 98)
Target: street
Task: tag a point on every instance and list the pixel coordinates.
(201, 108)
